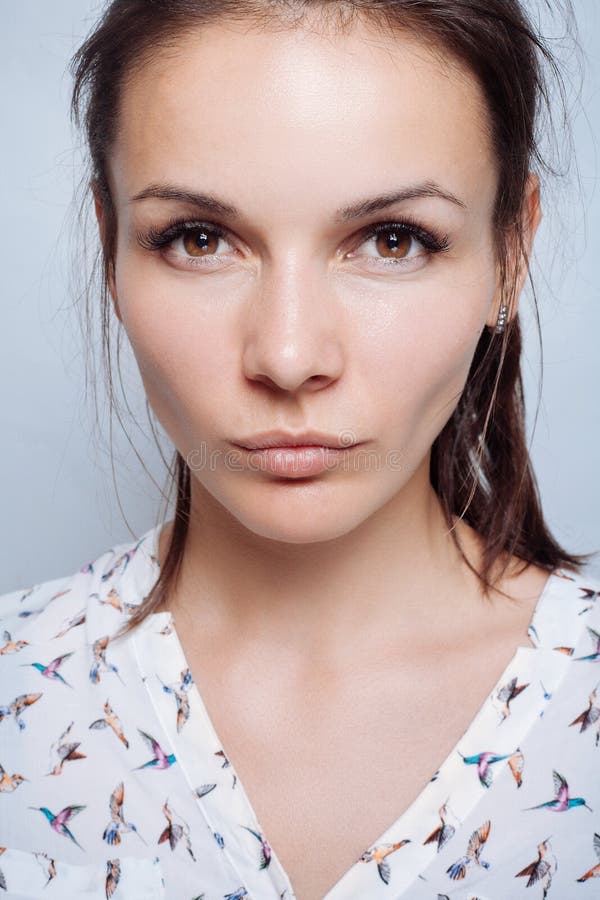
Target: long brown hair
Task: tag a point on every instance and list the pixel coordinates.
(480, 465)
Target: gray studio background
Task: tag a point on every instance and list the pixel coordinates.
(60, 505)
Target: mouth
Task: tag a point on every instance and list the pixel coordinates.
(299, 460)
(282, 439)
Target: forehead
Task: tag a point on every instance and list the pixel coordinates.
(295, 114)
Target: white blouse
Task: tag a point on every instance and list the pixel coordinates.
(114, 782)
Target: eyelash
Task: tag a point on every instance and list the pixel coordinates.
(433, 241)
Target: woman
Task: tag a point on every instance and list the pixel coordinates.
(347, 669)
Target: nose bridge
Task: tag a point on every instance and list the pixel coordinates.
(292, 329)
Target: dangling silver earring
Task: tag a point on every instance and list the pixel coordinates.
(501, 323)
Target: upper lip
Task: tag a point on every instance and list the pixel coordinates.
(288, 439)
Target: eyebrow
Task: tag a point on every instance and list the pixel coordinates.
(355, 210)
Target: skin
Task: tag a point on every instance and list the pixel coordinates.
(288, 331)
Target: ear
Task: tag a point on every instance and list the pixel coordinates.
(531, 218)
(101, 218)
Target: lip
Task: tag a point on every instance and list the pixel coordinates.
(277, 438)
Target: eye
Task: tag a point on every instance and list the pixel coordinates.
(190, 243)
(394, 240)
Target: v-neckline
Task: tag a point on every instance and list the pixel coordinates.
(452, 776)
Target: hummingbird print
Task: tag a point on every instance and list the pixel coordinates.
(379, 854)
(100, 662)
(117, 825)
(113, 876)
(237, 895)
(11, 646)
(64, 750)
(541, 869)
(442, 834)
(50, 670)
(179, 692)
(111, 720)
(594, 872)
(17, 707)
(226, 765)
(160, 759)
(265, 848)
(505, 695)
(175, 830)
(58, 822)
(562, 801)
(591, 595)
(9, 783)
(483, 761)
(595, 656)
(73, 622)
(48, 866)
(204, 789)
(458, 869)
(590, 714)
(123, 561)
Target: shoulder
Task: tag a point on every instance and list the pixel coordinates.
(568, 612)
(50, 609)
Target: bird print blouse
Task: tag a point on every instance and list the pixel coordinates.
(115, 784)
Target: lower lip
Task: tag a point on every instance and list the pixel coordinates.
(296, 462)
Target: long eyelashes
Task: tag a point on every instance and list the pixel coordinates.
(432, 240)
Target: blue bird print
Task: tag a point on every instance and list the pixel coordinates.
(58, 822)
(562, 801)
(160, 759)
(458, 869)
(51, 669)
(265, 848)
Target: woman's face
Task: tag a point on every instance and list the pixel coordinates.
(294, 317)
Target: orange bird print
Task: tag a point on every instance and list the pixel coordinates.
(117, 825)
(379, 854)
(594, 872)
(458, 869)
(505, 695)
(589, 715)
(73, 622)
(48, 866)
(541, 869)
(175, 831)
(442, 834)
(11, 646)
(17, 707)
(113, 876)
(100, 662)
(9, 783)
(62, 751)
(179, 690)
(111, 720)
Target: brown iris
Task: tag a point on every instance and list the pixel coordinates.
(394, 241)
(200, 242)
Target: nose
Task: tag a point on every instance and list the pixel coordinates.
(293, 331)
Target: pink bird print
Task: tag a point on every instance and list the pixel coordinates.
(87, 569)
(442, 834)
(17, 707)
(379, 854)
(594, 872)
(483, 761)
(589, 715)
(562, 800)
(11, 646)
(111, 720)
(541, 869)
(73, 622)
(179, 690)
(100, 662)
(58, 822)
(458, 869)
(117, 825)
(113, 876)
(265, 848)
(51, 670)
(505, 695)
(160, 759)
(9, 783)
(175, 831)
(62, 751)
(595, 656)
